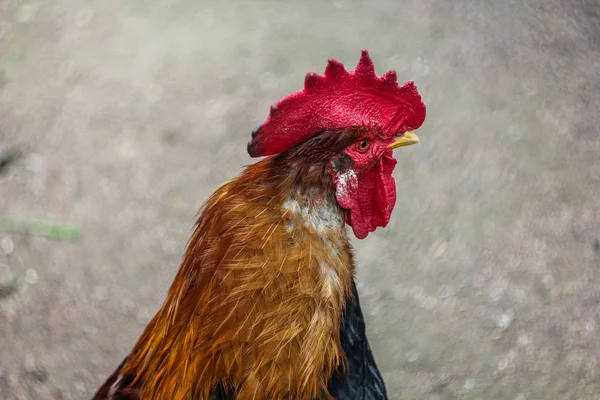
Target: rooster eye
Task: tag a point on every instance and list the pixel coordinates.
(363, 146)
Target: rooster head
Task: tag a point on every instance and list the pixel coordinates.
(371, 115)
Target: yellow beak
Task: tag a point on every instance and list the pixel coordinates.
(406, 139)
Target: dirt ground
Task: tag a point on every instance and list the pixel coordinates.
(125, 115)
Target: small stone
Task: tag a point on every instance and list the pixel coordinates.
(438, 248)
(412, 356)
(31, 276)
(502, 364)
(79, 388)
(444, 292)
(505, 320)
(469, 384)
(7, 244)
(590, 325)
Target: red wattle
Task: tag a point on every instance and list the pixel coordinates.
(370, 196)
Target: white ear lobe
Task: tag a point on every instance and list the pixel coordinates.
(346, 184)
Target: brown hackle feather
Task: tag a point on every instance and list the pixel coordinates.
(257, 303)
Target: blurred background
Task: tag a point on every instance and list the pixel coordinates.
(118, 119)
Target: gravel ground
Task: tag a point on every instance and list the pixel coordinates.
(125, 116)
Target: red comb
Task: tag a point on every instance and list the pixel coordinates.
(337, 100)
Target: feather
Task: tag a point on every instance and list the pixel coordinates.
(263, 305)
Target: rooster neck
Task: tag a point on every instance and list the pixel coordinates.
(314, 220)
(312, 205)
(258, 301)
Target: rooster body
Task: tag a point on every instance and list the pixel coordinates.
(264, 305)
(258, 304)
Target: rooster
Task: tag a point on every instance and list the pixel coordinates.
(264, 305)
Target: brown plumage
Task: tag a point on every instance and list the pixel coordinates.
(257, 302)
